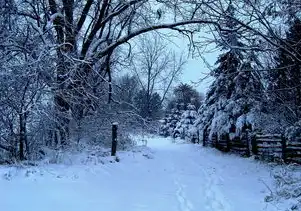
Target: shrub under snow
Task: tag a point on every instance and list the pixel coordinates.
(287, 187)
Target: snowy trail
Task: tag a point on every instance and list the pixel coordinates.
(180, 177)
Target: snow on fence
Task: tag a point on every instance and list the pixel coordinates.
(207, 141)
(236, 145)
(224, 143)
(292, 151)
(263, 146)
(268, 146)
(240, 146)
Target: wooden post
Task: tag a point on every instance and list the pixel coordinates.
(254, 145)
(214, 141)
(193, 139)
(228, 142)
(114, 139)
(283, 143)
(248, 153)
(204, 137)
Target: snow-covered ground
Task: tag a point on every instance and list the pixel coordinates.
(167, 177)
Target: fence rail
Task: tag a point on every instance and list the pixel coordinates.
(263, 146)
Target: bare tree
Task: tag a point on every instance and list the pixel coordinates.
(24, 73)
(88, 35)
(125, 91)
(156, 67)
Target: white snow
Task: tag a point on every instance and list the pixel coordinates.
(164, 177)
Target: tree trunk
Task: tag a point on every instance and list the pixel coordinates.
(61, 103)
(298, 94)
(66, 41)
(22, 135)
(62, 120)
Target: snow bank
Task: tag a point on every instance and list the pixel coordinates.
(64, 163)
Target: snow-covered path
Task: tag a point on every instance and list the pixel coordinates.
(179, 177)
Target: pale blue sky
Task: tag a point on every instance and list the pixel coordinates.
(195, 69)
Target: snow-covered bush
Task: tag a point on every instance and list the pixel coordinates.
(164, 127)
(286, 187)
(6, 157)
(180, 124)
(293, 131)
(83, 152)
(168, 124)
(185, 127)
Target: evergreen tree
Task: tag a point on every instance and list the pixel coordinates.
(285, 80)
(233, 94)
(185, 94)
(169, 122)
(148, 106)
(230, 37)
(185, 126)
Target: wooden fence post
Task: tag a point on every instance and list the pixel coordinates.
(283, 143)
(215, 141)
(204, 137)
(248, 153)
(114, 139)
(254, 145)
(228, 142)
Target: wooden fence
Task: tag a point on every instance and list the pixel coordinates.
(292, 150)
(263, 146)
(268, 146)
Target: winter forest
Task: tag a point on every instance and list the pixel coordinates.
(71, 68)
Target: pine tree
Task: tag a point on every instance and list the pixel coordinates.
(233, 94)
(185, 94)
(285, 80)
(229, 62)
(169, 122)
(185, 126)
(148, 106)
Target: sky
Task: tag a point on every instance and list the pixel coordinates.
(195, 68)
